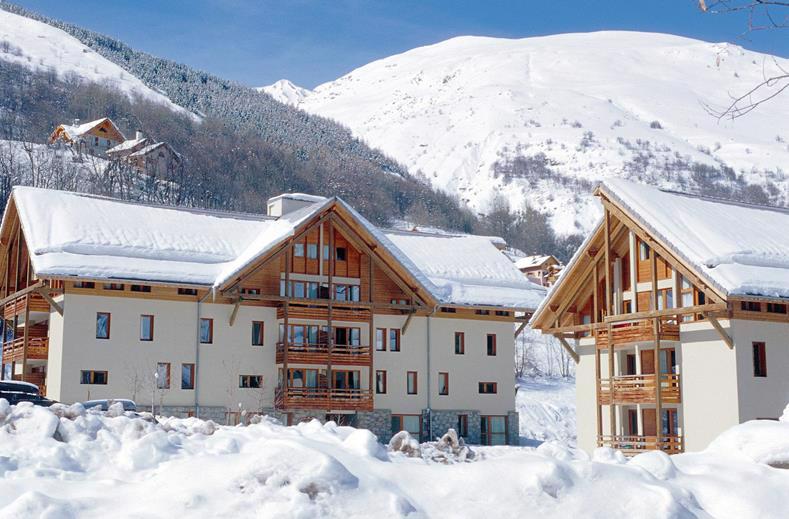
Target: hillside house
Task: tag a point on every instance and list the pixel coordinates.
(310, 311)
(678, 305)
(92, 138)
(146, 156)
(540, 269)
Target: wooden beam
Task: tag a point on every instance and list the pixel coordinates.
(44, 292)
(568, 348)
(717, 325)
(32, 288)
(234, 313)
(520, 328)
(607, 259)
(407, 322)
(666, 312)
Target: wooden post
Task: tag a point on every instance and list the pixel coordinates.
(26, 337)
(656, 324)
(612, 417)
(330, 338)
(598, 370)
(371, 333)
(595, 294)
(286, 334)
(607, 259)
(608, 264)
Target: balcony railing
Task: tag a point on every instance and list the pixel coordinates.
(356, 355)
(637, 331)
(640, 389)
(35, 303)
(37, 349)
(631, 445)
(324, 399)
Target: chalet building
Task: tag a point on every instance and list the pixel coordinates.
(678, 306)
(310, 311)
(92, 138)
(146, 156)
(542, 270)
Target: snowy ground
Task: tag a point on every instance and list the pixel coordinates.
(547, 410)
(69, 463)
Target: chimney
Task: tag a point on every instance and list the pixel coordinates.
(139, 135)
(76, 122)
(288, 202)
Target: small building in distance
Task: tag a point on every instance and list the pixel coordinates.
(92, 138)
(146, 156)
(540, 269)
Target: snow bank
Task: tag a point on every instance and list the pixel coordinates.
(69, 462)
(762, 441)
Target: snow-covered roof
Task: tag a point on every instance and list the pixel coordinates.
(73, 234)
(127, 145)
(151, 147)
(74, 132)
(532, 261)
(467, 270)
(741, 249)
(303, 197)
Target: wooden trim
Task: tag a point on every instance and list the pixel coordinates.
(234, 313)
(520, 328)
(719, 328)
(44, 292)
(568, 348)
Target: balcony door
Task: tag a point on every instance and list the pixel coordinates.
(648, 421)
(647, 362)
(347, 379)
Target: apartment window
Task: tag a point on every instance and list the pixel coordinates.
(354, 293)
(103, 325)
(462, 426)
(206, 330)
(411, 383)
(312, 290)
(407, 422)
(341, 292)
(325, 252)
(84, 284)
(93, 377)
(493, 430)
(141, 288)
(759, 360)
(312, 251)
(448, 310)
(502, 313)
(380, 382)
(776, 308)
(342, 254)
(491, 344)
(257, 333)
(380, 339)
(146, 327)
(163, 375)
(488, 388)
(751, 306)
(187, 376)
(394, 339)
(187, 291)
(250, 381)
(113, 286)
(460, 343)
(643, 251)
(299, 289)
(247, 291)
(298, 250)
(443, 383)
(482, 312)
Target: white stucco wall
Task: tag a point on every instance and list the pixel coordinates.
(586, 399)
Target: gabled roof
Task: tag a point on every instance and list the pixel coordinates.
(534, 261)
(129, 144)
(73, 234)
(75, 132)
(153, 147)
(742, 249)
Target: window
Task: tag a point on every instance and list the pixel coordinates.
(482, 312)
(187, 376)
(325, 252)
(643, 251)
(141, 288)
(488, 388)
(298, 250)
(353, 293)
(102, 325)
(247, 291)
(163, 375)
(146, 327)
(312, 290)
(759, 360)
(407, 422)
(751, 306)
(493, 430)
(299, 289)
(250, 381)
(448, 310)
(443, 383)
(380, 339)
(502, 313)
(206, 330)
(84, 284)
(411, 386)
(257, 333)
(312, 251)
(93, 377)
(380, 382)
(776, 308)
(460, 343)
(187, 291)
(462, 427)
(491, 343)
(113, 286)
(394, 339)
(341, 292)
(342, 254)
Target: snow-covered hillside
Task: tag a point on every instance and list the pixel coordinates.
(39, 46)
(65, 462)
(285, 92)
(576, 107)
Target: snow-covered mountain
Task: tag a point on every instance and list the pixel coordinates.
(285, 92)
(39, 46)
(572, 108)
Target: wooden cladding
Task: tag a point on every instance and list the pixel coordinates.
(323, 398)
(637, 331)
(311, 254)
(37, 349)
(321, 313)
(639, 389)
(320, 354)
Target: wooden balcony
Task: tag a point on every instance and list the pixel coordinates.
(37, 349)
(16, 306)
(639, 389)
(341, 311)
(319, 354)
(324, 399)
(632, 445)
(635, 332)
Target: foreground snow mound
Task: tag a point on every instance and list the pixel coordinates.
(763, 441)
(68, 462)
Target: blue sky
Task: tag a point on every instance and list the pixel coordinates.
(309, 42)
